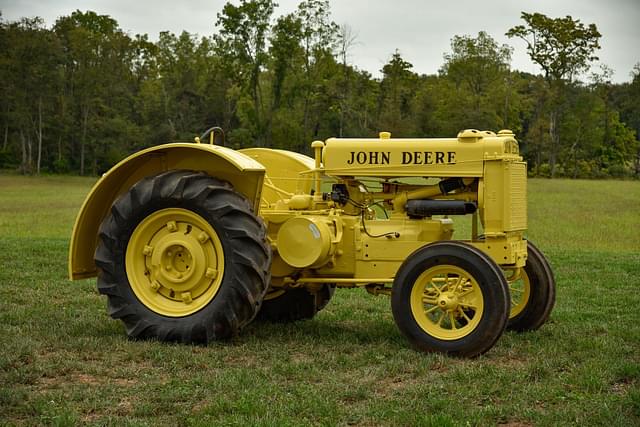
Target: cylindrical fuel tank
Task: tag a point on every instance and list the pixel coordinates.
(305, 241)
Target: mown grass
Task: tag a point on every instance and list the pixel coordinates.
(63, 361)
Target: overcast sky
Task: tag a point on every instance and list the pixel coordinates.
(420, 29)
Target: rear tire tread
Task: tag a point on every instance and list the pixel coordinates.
(247, 255)
(295, 304)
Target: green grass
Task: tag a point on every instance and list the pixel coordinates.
(63, 361)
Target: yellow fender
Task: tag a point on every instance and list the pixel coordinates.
(243, 172)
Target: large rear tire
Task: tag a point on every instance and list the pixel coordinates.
(294, 304)
(533, 293)
(182, 257)
(450, 297)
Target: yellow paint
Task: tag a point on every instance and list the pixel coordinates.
(243, 172)
(446, 302)
(174, 262)
(348, 217)
(505, 249)
(503, 197)
(493, 173)
(317, 147)
(519, 289)
(316, 240)
(284, 173)
(394, 157)
(305, 241)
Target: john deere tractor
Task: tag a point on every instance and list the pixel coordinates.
(192, 241)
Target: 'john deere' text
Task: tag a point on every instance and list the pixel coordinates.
(407, 157)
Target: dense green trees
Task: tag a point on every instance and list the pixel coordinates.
(82, 94)
(562, 47)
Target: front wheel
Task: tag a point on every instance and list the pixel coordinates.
(450, 297)
(533, 292)
(182, 257)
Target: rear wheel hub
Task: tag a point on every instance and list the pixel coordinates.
(174, 262)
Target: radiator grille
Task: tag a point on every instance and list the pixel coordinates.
(517, 218)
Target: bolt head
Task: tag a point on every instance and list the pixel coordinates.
(186, 297)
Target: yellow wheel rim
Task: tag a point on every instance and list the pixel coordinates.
(447, 302)
(519, 290)
(174, 262)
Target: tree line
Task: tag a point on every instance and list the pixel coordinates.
(79, 96)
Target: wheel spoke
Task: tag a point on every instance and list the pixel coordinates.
(467, 318)
(434, 286)
(432, 309)
(427, 300)
(469, 305)
(462, 294)
(446, 282)
(452, 320)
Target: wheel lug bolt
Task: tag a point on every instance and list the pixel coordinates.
(203, 237)
(186, 297)
(171, 226)
(147, 251)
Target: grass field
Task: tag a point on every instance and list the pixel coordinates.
(63, 361)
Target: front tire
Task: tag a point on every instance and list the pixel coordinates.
(182, 257)
(450, 297)
(533, 293)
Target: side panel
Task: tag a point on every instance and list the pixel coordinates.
(285, 173)
(403, 157)
(244, 173)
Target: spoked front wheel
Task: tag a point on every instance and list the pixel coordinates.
(450, 297)
(533, 292)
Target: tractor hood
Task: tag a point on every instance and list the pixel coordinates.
(463, 156)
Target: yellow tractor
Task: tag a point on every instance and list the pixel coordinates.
(192, 241)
